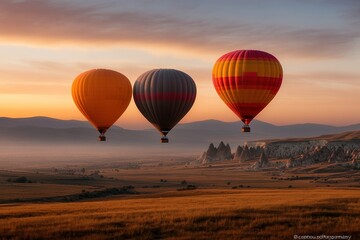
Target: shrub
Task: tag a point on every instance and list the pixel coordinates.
(21, 180)
(188, 187)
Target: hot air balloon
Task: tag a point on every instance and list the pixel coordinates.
(102, 96)
(247, 80)
(164, 96)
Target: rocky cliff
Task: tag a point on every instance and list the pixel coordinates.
(307, 153)
(340, 148)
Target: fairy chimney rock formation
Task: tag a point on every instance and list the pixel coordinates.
(208, 156)
(223, 152)
(245, 154)
(238, 153)
(262, 162)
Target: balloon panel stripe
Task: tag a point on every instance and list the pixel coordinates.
(164, 96)
(239, 83)
(256, 68)
(247, 55)
(247, 96)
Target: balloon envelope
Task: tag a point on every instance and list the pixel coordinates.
(247, 80)
(102, 96)
(164, 96)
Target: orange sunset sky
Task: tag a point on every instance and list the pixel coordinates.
(45, 44)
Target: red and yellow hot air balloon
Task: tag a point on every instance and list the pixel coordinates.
(102, 96)
(247, 80)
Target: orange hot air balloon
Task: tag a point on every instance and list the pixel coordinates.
(247, 80)
(102, 96)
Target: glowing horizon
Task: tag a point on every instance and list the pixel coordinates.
(318, 45)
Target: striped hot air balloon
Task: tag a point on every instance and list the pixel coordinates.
(164, 96)
(102, 96)
(247, 80)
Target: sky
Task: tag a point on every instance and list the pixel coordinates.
(45, 44)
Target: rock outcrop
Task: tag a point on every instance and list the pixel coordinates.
(223, 152)
(355, 158)
(337, 155)
(213, 154)
(209, 155)
(298, 152)
(355, 155)
(312, 152)
(283, 150)
(262, 162)
(314, 155)
(255, 152)
(238, 153)
(245, 155)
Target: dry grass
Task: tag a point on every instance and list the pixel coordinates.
(208, 214)
(14, 191)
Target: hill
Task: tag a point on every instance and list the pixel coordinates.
(343, 136)
(194, 135)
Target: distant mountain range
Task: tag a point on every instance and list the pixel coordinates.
(195, 134)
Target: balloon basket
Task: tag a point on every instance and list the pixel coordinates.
(102, 138)
(245, 128)
(164, 140)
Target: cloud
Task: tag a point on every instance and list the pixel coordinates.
(115, 24)
(328, 76)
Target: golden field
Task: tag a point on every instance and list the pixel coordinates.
(197, 214)
(229, 201)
